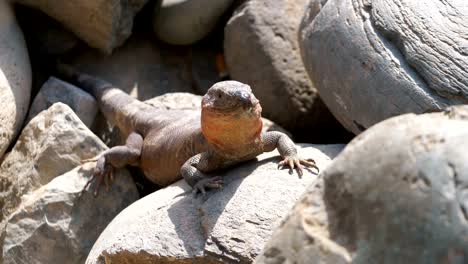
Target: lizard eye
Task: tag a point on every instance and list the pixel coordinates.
(219, 95)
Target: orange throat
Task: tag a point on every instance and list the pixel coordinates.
(231, 133)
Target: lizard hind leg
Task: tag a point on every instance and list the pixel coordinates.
(116, 157)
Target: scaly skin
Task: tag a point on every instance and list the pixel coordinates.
(168, 144)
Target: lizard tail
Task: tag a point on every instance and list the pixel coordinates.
(90, 84)
(118, 107)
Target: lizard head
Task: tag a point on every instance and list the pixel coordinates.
(231, 97)
(231, 115)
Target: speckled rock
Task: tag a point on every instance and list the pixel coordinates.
(262, 50)
(184, 22)
(15, 77)
(58, 223)
(54, 90)
(104, 25)
(54, 142)
(396, 194)
(226, 226)
(371, 60)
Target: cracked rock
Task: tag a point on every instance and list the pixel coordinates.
(371, 60)
(58, 223)
(396, 194)
(54, 142)
(225, 226)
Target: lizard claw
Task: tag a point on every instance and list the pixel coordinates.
(296, 163)
(103, 172)
(213, 182)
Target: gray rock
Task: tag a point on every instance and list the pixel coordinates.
(54, 142)
(371, 60)
(184, 22)
(262, 50)
(54, 90)
(104, 25)
(59, 224)
(396, 194)
(143, 67)
(15, 77)
(226, 226)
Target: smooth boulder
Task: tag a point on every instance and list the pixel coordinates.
(396, 194)
(184, 22)
(226, 226)
(59, 223)
(104, 25)
(262, 50)
(371, 60)
(15, 77)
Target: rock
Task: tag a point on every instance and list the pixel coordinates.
(269, 61)
(104, 25)
(396, 194)
(15, 77)
(226, 226)
(177, 101)
(54, 142)
(184, 22)
(371, 60)
(304, 236)
(54, 90)
(47, 38)
(59, 224)
(143, 67)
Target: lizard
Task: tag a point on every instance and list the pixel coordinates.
(191, 144)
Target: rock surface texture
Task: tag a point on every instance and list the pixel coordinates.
(396, 194)
(55, 90)
(53, 142)
(371, 60)
(262, 50)
(226, 226)
(15, 77)
(59, 224)
(184, 22)
(104, 24)
(144, 67)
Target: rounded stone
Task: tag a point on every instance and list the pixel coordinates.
(371, 60)
(396, 194)
(184, 22)
(15, 77)
(262, 50)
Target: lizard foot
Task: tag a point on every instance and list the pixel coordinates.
(296, 163)
(213, 182)
(103, 172)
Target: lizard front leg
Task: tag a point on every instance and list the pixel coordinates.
(194, 169)
(287, 149)
(116, 157)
